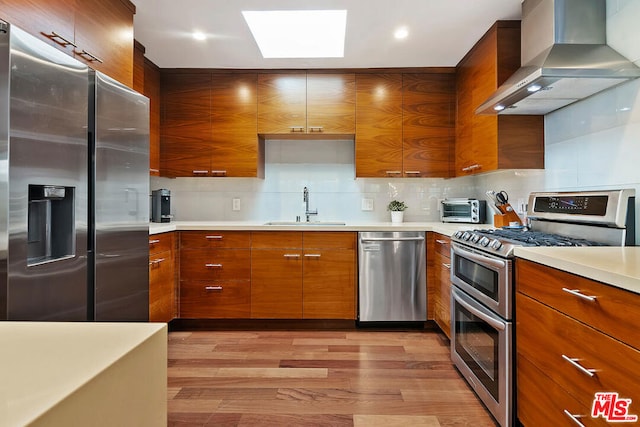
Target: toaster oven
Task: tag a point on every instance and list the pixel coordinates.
(472, 211)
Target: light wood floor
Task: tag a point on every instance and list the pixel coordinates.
(317, 378)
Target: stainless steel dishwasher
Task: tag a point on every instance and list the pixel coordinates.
(392, 284)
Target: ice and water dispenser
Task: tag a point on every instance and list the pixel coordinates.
(51, 224)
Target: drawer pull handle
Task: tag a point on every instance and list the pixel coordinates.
(576, 292)
(88, 56)
(442, 242)
(296, 128)
(412, 172)
(448, 266)
(292, 255)
(153, 242)
(312, 255)
(213, 288)
(394, 172)
(574, 418)
(219, 172)
(213, 265)
(574, 362)
(64, 43)
(316, 129)
(213, 237)
(156, 261)
(200, 172)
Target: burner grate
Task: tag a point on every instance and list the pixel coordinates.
(538, 238)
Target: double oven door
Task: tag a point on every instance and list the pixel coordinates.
(481, 337)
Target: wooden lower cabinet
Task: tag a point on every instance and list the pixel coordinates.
(303, 275)
(329, 275)
(215, 274)
(567, 348)
(276, 275)
(162, 277)
(442, 283)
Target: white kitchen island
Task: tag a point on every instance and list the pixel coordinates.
(83, 374)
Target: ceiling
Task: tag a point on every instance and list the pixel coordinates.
(440, 32)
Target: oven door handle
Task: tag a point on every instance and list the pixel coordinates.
(491, 321)
(480, 259)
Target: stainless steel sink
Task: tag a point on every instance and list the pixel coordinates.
(319, 223)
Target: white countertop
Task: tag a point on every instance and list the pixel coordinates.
(439, 227)
(616, 266)
(45, 363)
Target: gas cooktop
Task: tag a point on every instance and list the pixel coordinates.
(606, 217)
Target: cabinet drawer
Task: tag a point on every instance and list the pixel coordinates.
(541, 402)
(617, 366)
(214, 239)
(224, 299)
(329, 240)
(276, 239)
(609, 312)
(216, 264)
(443, 245)
(161, 243)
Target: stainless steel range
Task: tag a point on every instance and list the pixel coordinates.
(482, 273)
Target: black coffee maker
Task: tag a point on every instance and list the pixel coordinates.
(161, 205)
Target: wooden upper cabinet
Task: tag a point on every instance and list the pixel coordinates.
(235, 145)
(104, 37)
(331, 103)
(301, 103)
(490, 142)
(152, 91)
(428, 128)
(44, 19)
(101, 30)
(185, 124)
(282, 103)
(378, 125)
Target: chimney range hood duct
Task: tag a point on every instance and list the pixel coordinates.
(566, 59)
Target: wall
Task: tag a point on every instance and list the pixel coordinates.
(592, 144)
(327, 169)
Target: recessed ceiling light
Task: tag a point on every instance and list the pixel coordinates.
(298, 33)
(199, 35)
(401, 33)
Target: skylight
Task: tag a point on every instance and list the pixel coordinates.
(298, 33)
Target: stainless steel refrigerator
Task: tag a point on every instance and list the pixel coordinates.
(73, 188)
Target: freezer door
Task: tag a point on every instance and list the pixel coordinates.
(48, 152)
(121, 201)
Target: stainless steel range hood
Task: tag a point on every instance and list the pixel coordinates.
(566, 59)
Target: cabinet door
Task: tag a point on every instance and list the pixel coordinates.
(104, 37)
(43, 19)
(185, 137)
(162, 295)
(442, 294)
(378, 125)
(276, 284)
(331, 103)
(329, 284)
(234, 121)
(428, 124)
(152, 91)
(282, 103)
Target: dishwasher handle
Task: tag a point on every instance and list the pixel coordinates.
(392, 239)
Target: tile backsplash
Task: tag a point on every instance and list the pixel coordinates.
(592, 144)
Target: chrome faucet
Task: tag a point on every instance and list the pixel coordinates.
(305, 199)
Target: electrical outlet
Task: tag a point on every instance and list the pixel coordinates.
(367, 204)
(236, 204)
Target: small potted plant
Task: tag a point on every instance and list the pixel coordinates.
(397, 209)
